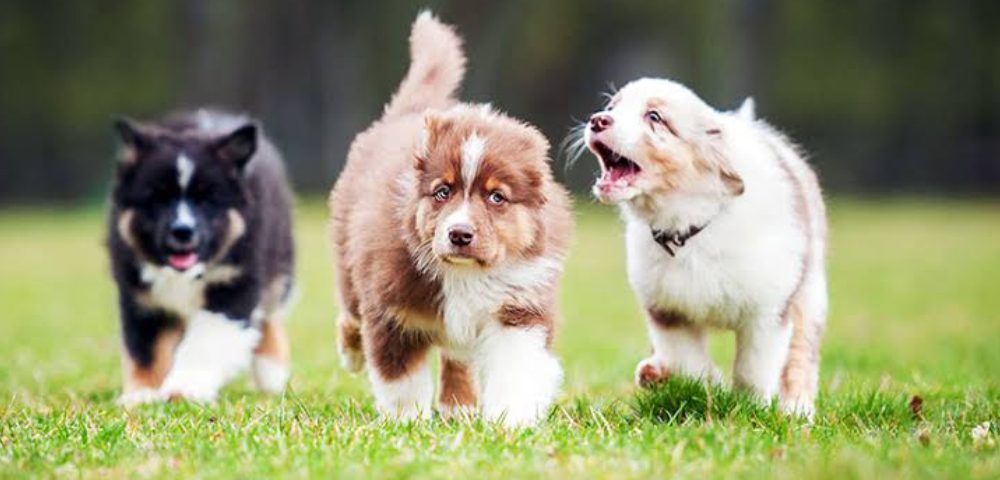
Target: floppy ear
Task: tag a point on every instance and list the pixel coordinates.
(237, 147)
(713, 148)
(435, 124)
(133, 138)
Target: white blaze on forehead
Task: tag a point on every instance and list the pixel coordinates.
(184, 215)
(185, 169)
(472, 155)
(461, 215)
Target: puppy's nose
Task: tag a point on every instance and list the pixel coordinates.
(182, 235)
(600, 122)
(460, 235)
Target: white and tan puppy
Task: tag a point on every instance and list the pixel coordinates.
(725, 228)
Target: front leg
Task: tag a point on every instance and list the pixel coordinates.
(148, 341)
(398, 368)
(518, 376)
(218, 343)
(679, 347)
(214, 350)
(761, 350)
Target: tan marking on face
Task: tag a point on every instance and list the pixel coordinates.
(137, 377)
(124, 228)
(237, 228)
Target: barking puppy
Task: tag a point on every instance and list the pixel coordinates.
(725, 228)
(201, 249)
(450, 232)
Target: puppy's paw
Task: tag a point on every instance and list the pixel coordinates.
(651, 371)
(189, 388)
(139, 397)
(269, 375)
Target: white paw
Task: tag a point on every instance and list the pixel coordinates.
(139, 397)
(269, 375)
(515, 416)
(191, 387)
(799, 407)
(405, 413)
(460, 412)
(651, 371)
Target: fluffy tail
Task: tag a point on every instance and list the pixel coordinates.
(437, 66)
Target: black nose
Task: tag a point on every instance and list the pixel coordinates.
(182, 236)
(460, 235)
(600, 122)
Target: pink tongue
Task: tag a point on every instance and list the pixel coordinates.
(183, 261)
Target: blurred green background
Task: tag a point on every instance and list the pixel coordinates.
(888, 96)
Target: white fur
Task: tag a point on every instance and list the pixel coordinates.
(409, 397)
(681, 350)
(740, 271)
(182, 292)
(213, 351)
(519, 376)
(185, 169)
(139, 397)
(472, 155)
(471, 297)
(184, 215)
(269, 375)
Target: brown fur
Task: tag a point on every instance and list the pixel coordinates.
(457, 387)
(137, 377)
(385, 215)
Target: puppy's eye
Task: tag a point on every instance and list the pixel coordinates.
(496, 198)
(654, 116)
(442, 193)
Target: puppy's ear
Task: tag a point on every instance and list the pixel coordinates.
(134, 140)
(713, 149)
(238, 147)
(747, 110)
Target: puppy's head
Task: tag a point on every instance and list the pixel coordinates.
(180, 193)
(480, 181)
(656, 137)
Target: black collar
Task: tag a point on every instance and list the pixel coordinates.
(672, 238)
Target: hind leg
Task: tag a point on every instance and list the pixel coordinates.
(352, 355)
(272, 357)
(800, 376)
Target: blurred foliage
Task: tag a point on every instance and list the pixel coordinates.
(886, 95)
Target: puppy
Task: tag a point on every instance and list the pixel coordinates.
(725, 228)
(450, 232)
(201, 250)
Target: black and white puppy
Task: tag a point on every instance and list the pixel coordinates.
(201, 249)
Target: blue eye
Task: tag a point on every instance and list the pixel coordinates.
(442, 193)
(654, 116)
(496, 198)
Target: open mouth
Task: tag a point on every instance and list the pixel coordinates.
(615, 168)
(182, 261)
(618, 174)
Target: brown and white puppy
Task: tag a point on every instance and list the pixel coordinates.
(450, 232)
(725, 228)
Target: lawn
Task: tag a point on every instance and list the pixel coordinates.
(915, 313)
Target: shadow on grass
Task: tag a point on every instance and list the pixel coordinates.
(683, 401)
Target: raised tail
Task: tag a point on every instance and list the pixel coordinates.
(437, 66)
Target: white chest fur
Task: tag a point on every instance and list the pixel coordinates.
(182, 293)
(738, 268)
(471, 299)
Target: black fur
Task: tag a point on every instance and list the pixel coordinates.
(235, 169)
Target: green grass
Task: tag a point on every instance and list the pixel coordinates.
(915, 312)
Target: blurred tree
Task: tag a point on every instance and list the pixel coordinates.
(887, 96)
